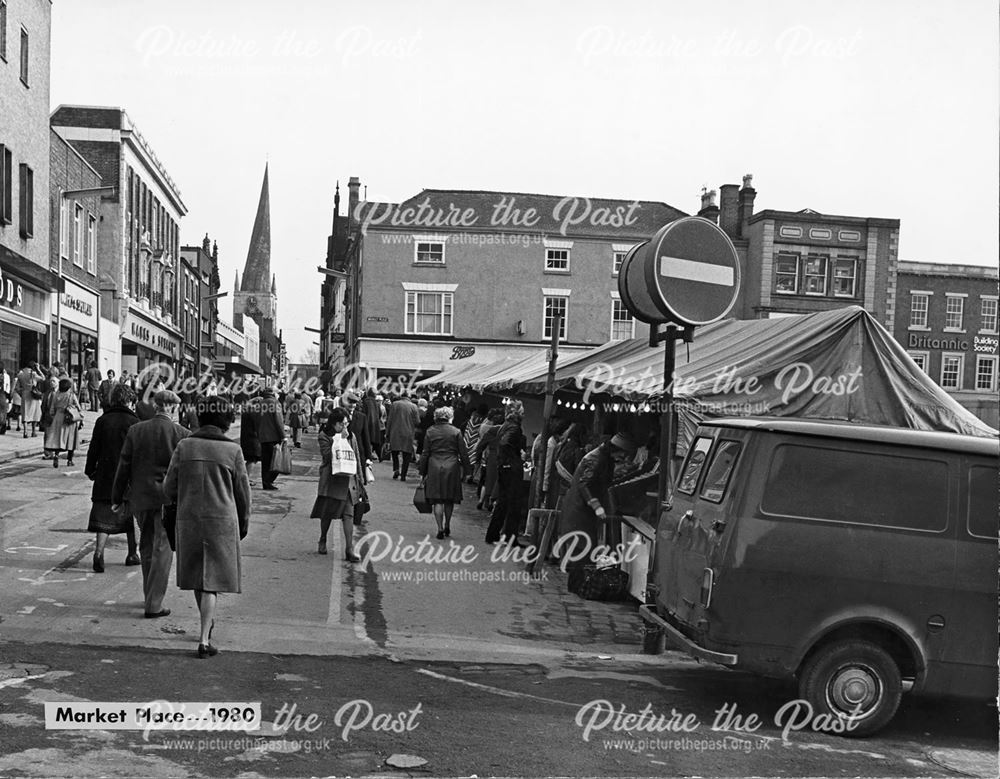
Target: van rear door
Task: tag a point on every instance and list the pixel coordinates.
(691, 545)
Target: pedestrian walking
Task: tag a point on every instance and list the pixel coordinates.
(6, 387)
(142, 468)
(249, 442)
(29, 386)
(357, 423)
(104, 390)
(566, 458)
(105, 448)
(63, 417)
(337, 493)
(93, 384)
(472, 439)
(442, 464)
(401, 426)
(207, 481)
(270, 432)
(486, 453)
(511, 444)
(373, 413)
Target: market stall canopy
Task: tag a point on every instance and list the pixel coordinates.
(839, 364)
(499, 375)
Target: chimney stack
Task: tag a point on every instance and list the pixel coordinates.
(709, 210)
(353, 188)
(729, 217)
(746, 198)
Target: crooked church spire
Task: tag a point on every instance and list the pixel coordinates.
(257, 272)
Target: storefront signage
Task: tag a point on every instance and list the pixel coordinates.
(377, 318)
(153, 337)
(461, 352)
(948, 344)
(11, 292)
(79, 305)
(986, 344)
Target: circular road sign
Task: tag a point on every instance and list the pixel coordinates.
(692, 272)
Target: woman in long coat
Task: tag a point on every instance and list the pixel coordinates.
(401, 427)
(207, 481)
(102, 464)
(27, 386)
(61, 432)
(249, 440)
(472, 439)
(441, 464)
(337, 493)
(486, 454)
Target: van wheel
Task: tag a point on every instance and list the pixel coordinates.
(856, 682)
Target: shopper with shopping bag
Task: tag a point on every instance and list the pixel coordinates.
(340, 482)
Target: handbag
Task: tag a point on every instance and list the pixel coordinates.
(282, 461)
(362, 507)
(36, 393)
(342, 461)
(73, 415)
(593, 583)
(170, 525)
(420, 499)
(369, 475)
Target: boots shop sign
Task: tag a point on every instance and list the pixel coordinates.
(11, 292)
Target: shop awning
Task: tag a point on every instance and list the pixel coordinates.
(499, 375)
(839, 364)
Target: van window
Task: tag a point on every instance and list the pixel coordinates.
(860, 488)
(983, 501)
(695, 461)
(717, 476)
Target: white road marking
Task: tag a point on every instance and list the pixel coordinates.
(496, 690)
(704, 272)
(26, 610)
(336, 587)
(47, 550)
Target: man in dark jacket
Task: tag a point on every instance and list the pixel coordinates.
(357, 423)
(270, 432)
(142, 468)
(510, 474)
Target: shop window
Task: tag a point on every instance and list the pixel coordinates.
(954, 311)
(429, 313)
(27, 201)
(6, 185)
(845, 277)
(986, 373)
(952, 367)
(786, 274)
(555, 305)
(918, 310)
(988, 315)
(814, 275)
(622, 322)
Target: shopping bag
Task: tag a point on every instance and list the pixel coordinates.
(369, 475)
(342, 461)
(593, 583)
(420, 500)
(169, 519)
(282, 459)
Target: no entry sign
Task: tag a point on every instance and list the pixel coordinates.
(688, 274)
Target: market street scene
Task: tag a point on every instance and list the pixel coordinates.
(435, 389)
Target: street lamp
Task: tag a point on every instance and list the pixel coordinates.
(65, 194)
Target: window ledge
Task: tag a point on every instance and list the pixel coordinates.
(989, 332)
(26, 86)
(952, 330)
(918, 329)
(428, 265)
(557, 272)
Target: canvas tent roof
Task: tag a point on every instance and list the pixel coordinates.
(501, 374)
(839, 364)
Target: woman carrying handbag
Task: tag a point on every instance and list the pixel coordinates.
(341, 481)
(65, 417)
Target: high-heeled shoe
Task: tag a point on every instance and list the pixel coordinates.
(447, 531)
(207, 650)
(440, 535)
(321, 547)
(352, 558)
(98, 563)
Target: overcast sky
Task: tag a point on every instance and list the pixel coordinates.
(884, 108)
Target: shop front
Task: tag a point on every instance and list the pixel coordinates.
(24, 311)
(75, 316)
(146, 343)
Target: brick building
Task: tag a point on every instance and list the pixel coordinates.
(73, 234)
(138, 247)
(946, 319)
(26, 285)
(470, 275)
(198, 314)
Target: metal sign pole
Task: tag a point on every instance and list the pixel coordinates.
(670, 337)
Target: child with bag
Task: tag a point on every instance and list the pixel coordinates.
(341, 481)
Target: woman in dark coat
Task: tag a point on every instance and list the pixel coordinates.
(486, 454)
(441, 464)
(249, 441)
(337, 493)
(567, 455)
(584, 508)
(102, 464)
(207, 482)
